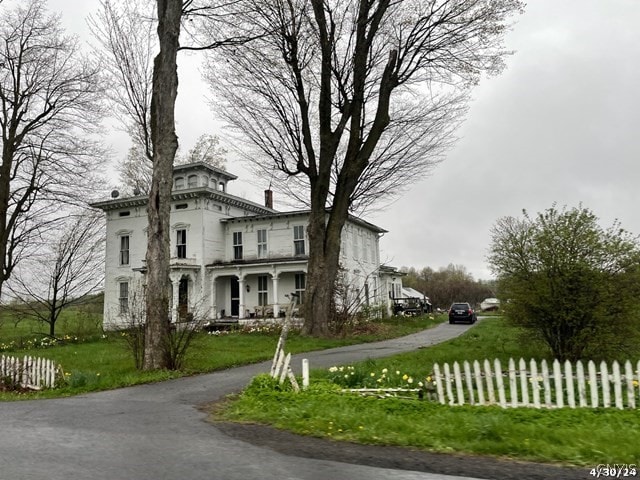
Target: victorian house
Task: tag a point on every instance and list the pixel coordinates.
(230, 258)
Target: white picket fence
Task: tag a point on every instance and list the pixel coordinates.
(538, 386)
(29, 372)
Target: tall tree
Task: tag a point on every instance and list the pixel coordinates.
(50, 103)
(165, 145)
(356, 99)
(67, 268)
(568, 281)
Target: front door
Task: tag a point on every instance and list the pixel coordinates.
(235, 297)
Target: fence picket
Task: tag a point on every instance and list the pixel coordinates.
(535, 384)
(447, 383)
(557, 380)
(499, 383)
(546, 384)
(513, 384)
(582, 391)
(628, 375)
(438, 378)
(459, 388)
(488, 376)
(593, 384)
(478, 377)
(469, 382)
(568, 375)
(604, 379)
(523, 383)
(617, 384)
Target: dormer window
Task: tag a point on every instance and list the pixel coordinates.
(179, 183)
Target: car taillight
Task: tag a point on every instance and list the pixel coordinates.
(470, 311)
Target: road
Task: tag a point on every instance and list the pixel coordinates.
(157, 432)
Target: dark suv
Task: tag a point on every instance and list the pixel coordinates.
(462, 312)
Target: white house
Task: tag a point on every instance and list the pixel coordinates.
(231, 258)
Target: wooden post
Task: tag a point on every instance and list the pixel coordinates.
(305, 373)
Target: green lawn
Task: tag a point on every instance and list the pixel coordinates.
(566, 436)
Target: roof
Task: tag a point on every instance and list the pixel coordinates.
(412, 293)
(183, 194)
(199, 166)
(300, 213)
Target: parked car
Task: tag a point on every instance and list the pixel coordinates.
(462, 312)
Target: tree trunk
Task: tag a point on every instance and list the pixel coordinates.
(322, 270)
(165, 144)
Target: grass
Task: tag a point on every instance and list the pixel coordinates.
(566, 436)
(103, 362)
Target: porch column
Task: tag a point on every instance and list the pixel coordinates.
(241, 297)
(276, 306)
(175, 290)
(212, 298)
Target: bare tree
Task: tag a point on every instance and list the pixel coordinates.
(355, 98)
(49, 99)
(207, 150)
(136, 171)
(125, 46)
(63, 273)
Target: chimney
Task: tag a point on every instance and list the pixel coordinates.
(268, 198)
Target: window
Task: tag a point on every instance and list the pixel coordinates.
(300, 284)
(354, 244)
(124, 250)
(126, 213)
(192, 181)
(123, 297)
(263, 290)
(181, 243)
(237, 245)
(179, 182)
(262, 243)
(182, 206)
(298, 240)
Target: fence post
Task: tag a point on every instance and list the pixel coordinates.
(305, 373)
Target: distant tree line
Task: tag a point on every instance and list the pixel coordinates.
(449, 284)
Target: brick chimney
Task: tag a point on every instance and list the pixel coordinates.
(268, 198)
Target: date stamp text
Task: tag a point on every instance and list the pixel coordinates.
(615, 470)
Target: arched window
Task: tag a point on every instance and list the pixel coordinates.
(179, 182)
(192, 181)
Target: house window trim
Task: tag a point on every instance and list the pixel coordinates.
(299, 240)
(124, 255)
(263, 244)
(123, 301)
(181, 243)
(237, 245)
(263, 290)
(300, 286)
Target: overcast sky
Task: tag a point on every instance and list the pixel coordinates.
(560, 124)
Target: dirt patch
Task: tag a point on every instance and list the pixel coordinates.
(396, 457)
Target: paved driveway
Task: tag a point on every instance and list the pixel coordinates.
(156, 432)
